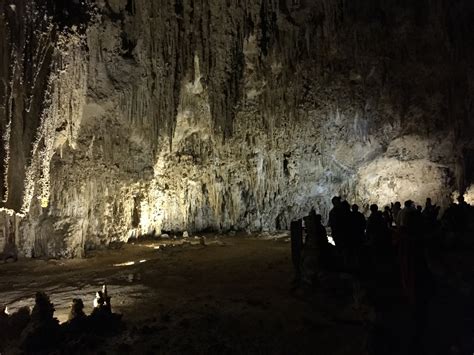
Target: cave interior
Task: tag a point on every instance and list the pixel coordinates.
(182, 138)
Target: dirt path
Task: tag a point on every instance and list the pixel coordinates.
(232, 295)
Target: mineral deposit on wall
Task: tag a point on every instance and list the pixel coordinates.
(123, 117)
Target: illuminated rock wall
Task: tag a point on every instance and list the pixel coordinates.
(216, 115)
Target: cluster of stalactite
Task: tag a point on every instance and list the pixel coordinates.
(291, 35)
(42, 75)
(108, 82)
(26, 59)
(166, 36)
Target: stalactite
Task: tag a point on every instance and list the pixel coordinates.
(218, 115)
(29, 62)
(60, 120)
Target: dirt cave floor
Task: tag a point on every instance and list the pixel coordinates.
(231, 295)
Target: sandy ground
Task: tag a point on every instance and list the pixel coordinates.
(232, 295)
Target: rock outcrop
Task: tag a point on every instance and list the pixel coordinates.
(133, 116)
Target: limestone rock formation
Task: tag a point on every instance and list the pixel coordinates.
(123, 117)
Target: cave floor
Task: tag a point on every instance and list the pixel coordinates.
(232, 295)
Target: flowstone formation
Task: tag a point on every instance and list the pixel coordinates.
(126, 117)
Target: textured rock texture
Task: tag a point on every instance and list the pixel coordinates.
(122, 117)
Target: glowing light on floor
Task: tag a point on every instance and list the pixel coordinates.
(128, 263)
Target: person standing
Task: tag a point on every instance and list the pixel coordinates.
(296, 231)
(335, 221)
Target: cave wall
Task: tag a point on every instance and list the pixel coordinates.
(124, 117)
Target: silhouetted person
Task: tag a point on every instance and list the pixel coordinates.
(321, 235)
(311, 252)
(378, 236)
(323, 246)
(405, 219)
(310, 227)
(356, 236)
(448, 216)
(345, 223)
(358, 224)
(419, 209)
(102, 302)
(77, 310)
(428, 206)
(461, 214)
(296, 230)
(410, 239)
(396, 208)
(375, 225)
(335, 220)
(416, 278)
(387, 216)
(461, 201)
(430, 215)
(42, 332)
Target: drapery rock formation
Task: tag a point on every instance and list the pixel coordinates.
(123, 117)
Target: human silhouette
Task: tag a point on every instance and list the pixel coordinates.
(410, 223)
(396, 208)
(405, 219)
(462, 214)
(387, 216)
(375, 225)
(335, 220)
(428, 206)
(296, 231)
(310, 224)
(345, 223)
(310, 258)
(355, 239)
(430, 215)
(358, 224)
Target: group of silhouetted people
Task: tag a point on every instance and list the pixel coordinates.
(386, 252)
(393, 235)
